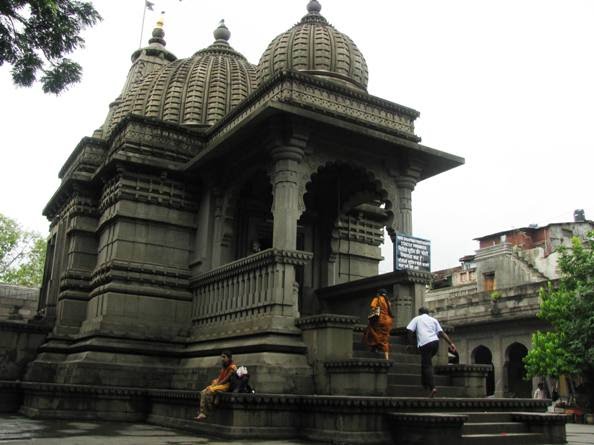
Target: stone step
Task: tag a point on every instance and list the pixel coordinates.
(415, 379)
(396, 357)
(419, 391)
(489, 417)
(394, 339)
(493, 428)
(394, 348)
(501, 439)
(406, 368)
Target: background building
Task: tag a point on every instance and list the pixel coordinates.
(492, 299)
(18, 303)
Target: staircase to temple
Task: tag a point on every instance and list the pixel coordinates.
(460, 420)
(404, 377)
(497, 428)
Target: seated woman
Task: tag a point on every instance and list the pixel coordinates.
(220, 384)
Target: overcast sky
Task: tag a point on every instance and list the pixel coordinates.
(506, 84)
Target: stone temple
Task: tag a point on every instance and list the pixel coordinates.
(226, 205)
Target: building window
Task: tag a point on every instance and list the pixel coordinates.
(489, 281)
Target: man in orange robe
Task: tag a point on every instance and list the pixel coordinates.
(377, 334)
(220, 384)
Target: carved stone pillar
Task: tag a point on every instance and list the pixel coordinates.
(409, 296)
(285, 188)
(406, 184)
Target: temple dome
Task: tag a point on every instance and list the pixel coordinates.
(315, 47)
(197, 91)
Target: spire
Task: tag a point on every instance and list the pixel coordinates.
(221, 43)
(222, 33)
(313, 13)
(156, 46)
(158, 32)
(314, 7)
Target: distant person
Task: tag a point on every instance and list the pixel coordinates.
(220, 384)
(539, 393)
(379, 323)
(256, 246)
(428, 330)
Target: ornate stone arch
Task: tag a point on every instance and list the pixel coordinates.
(514, 371)
(383, 184)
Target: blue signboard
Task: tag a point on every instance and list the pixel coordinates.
(412, 253)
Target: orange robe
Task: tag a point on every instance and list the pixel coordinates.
(377, 334)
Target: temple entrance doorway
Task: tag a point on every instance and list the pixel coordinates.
(253, 223)
(342, 225)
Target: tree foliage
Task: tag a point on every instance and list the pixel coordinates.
(35, 36)
(22, 254)
(569, 307)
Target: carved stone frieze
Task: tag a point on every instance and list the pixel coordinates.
(151, 189)
(327, 97)
(342, 105)
(84, 160)
(326, 320)
(141, 273)
(357, 364)
(360, 230)
(153, 141)
(71, 202)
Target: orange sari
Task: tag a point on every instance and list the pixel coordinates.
(377, 333)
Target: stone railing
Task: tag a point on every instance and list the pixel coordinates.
(260, 284)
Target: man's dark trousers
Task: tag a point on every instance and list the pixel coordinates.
(427, 352)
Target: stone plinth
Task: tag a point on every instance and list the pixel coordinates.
(353, 377)
(426, 428)
(329, 337)
(470, 377)
(551, 426)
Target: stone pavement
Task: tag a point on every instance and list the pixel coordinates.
(580, 434)
(19, 430)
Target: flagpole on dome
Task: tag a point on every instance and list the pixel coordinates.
(147, 5)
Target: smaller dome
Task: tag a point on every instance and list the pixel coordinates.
(314, 46)
(197, 91)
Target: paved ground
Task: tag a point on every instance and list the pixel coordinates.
(580, 434)
(18, 430)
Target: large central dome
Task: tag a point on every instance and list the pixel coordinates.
(197, 91)
(315, 47)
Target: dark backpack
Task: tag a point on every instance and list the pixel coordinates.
(240, 384)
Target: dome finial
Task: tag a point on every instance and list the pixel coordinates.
(158, 32)
(222, 32)
(314, 7)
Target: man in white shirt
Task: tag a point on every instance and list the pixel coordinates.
(428, 332)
